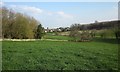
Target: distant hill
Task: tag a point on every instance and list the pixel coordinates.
(103, 25)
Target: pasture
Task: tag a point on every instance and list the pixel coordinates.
(60, 55)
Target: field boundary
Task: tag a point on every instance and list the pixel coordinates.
(18, 39)
(53, 40)
(31, 40)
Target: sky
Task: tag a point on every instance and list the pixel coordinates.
(64, 14)
(61, 0)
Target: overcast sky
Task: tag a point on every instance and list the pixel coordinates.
(63, 14)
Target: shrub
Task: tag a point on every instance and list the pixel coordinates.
(78, 36)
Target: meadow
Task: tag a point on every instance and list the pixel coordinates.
(56, 37)
(98, 54)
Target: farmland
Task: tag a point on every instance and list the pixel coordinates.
(57, 55)
(59, 36)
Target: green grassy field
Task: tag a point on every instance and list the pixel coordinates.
(57, 37)
(55, 55)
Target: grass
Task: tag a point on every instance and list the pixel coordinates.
(107, 40)
(57, 37)
(55, 55)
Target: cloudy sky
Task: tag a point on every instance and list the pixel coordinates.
(63, 14)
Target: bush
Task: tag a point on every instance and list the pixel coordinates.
(80, 36)
(86, 36)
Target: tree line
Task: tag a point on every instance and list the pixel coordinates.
(97, 25)
(92, 26)
(16, 25)
(104, 29)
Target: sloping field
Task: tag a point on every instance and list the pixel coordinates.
(59, 55)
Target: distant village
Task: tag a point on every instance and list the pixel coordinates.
(60, 29)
